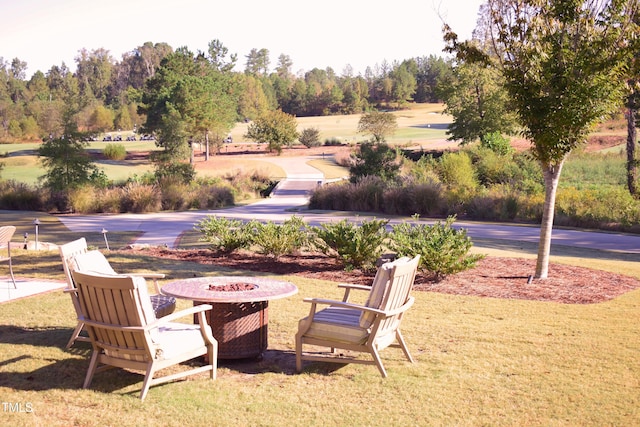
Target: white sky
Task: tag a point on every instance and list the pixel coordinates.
(325, 33)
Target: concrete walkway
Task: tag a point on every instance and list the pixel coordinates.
(291, 196)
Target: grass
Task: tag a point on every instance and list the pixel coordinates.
(479, 361)
(419, 125)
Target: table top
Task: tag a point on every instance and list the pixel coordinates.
(218, 289)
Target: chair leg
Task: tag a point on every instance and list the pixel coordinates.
(147, 380)
(376, 358)
(403, 346)
(212, 350)
(75, 334)
(298, 354)
(93, 364)
(13, 279)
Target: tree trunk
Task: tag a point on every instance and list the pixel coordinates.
(632, 163)
(206, 146)
(551, 179)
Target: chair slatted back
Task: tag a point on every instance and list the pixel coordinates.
(402, 277)
(110, 304)
(6, 234)
(68, 252)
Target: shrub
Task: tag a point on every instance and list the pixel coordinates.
(174, 195)
(310, 137)
(115, 152)
(456, 170)
(427, 199)
(367, 195)
(110, 200)
(16, 195)
(279, 239)
(443, 249)
(330, 197)
(333, 142)
(356, 246)
(223, 234)
(212, 197)
(83, 199)
(141, 198)
(497, 143)
(374, 160)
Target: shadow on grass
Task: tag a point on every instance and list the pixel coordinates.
(50, 336)
(556, 250)
(278, 362)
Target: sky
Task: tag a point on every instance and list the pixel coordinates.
(317, 34)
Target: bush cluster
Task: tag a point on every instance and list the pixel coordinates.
(481, 183)
(115, 152)
(139, 194)
(357, 246)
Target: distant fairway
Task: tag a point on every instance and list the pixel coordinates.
(420, 126)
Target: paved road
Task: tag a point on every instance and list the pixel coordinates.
(291, 196)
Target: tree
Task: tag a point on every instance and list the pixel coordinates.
(478, 102)
(563, 62)
(65, 158)
(276, 128)
(632, 114)
(94, 73)
(378, 124)
(188, 99)
(404, 83)
(374, 159)
(310, 137)
(257, 62)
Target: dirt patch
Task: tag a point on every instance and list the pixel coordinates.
(493, 277)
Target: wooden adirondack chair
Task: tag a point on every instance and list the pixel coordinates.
(76, 256)
(124, 332)
(366, 328)
(6, 233)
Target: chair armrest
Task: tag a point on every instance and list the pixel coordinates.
(333, 303)
(354, 286)
(182, 313)
(154, 324)
(350, 286)
(153, 276)
(342, 304)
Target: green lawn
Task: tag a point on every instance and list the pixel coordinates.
(479, 361)
(420, 125)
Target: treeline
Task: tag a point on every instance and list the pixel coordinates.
(108, 92)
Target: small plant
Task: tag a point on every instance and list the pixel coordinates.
(115, 152)
(443, 249)
(222, 234)
(310, 137)
(356, 246)
(497, 143)
(276, 240)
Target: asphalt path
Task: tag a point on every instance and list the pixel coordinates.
(291, 196)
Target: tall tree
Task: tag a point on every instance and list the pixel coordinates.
(218, 57)
(378, 124)
(478, 102)
(257, 62)
(564, 64)
(65, 159)
(632, 115)
(94, 70)
(275, 128)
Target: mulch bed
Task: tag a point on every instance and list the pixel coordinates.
(493, 277)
